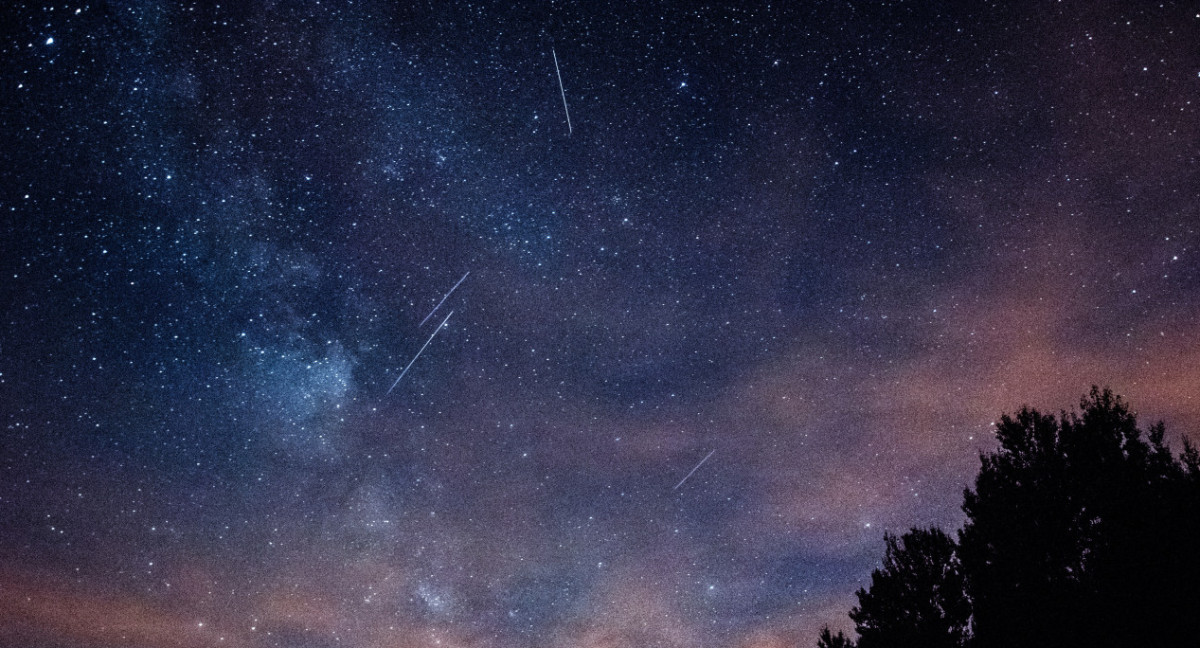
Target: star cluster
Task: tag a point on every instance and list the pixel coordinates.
(810, 250)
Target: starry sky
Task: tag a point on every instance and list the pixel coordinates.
(809, 250)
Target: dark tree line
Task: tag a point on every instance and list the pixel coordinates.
(1082, 530)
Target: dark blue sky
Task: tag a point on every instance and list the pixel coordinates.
(828, 244)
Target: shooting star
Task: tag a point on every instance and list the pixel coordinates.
(439, 304)
(694, 469)
(410, 362)
(564, 92)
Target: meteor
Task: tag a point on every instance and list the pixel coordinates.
(564, 92)
(694, 469)
(410, 362)
(439, 304)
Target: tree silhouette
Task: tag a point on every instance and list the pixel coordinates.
(917, 599)
(1081, 530)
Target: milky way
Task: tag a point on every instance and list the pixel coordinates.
(826, 244)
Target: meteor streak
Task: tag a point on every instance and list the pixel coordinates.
(439, 304)
(564, 92)
(694, 469)
(410, 362)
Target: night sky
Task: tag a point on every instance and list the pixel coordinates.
(813, 248)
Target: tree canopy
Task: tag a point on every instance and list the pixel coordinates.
(917, 599)
(1081, 530)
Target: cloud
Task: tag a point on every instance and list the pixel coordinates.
(39, 612)
(628, 611)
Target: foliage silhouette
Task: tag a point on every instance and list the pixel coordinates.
(917, 599)
(1081, 530)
